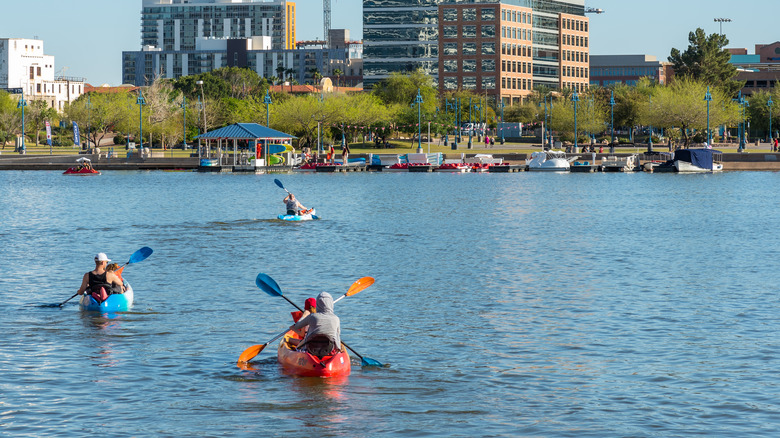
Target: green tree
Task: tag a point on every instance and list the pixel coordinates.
(401, 89)
(38, 112)
(707, 60)
(337, 72)
(107, 112)
(758, 111)
(681, 105)
(10, 118)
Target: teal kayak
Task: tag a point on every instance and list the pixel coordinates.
(311, 215)
(114, 303)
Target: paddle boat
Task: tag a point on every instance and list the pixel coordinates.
(301, 363)
(114, 302)
(84, 167)
(309, 215)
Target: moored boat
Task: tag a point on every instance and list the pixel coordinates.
(698, 160)
(310, 214)
(304, 364)
(114, 302)
(552, 161)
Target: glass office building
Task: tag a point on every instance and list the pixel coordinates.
(402, 36)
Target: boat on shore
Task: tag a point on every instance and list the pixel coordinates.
(698, 160)
(550, 161)
(304, 364)
(114, 303)
(310, 215)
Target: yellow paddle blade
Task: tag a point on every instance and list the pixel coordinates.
(250, 353)
(360, 285)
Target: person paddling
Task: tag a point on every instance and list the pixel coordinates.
(309, 307)
(99, 282)
(324, 329)
(293, 206)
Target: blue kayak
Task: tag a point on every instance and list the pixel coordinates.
(303, 217)
(114, 303)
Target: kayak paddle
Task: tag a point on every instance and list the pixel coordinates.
(254, 350)
(279, 183)
(269, 286)
(137, 256)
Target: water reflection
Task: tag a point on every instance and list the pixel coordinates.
(103, 328)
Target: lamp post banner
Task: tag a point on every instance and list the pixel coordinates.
(48, 133)
(76, 136)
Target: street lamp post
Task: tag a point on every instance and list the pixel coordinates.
(456, 107)
(770, 104)
(89, 119)
(612, 119)
(501, 126)
(471, 124)
(708, 99)
(650, 139)
(418, 100)
(202, 104)
(575, 98)
(478, 110)
(267, 101)
(184, 122)
(141, 102)
(22, 103)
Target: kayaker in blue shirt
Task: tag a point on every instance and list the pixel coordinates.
(293, 206)
(324, 328)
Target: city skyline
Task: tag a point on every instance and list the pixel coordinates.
(87, 40)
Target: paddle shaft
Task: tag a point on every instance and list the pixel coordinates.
(345, 344)
(128, 262)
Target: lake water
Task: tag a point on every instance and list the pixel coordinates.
(581, 305)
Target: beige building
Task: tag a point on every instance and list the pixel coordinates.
(494, 49)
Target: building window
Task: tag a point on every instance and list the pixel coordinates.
(488, 14)
(488, 82)
(450, 14)
(39, 72)
(489, 65)
(450, 48)
(32, 71)
(469, 14)
(488, 48)
(469, 65)
(450, 83)
(450, 65)
(469, 82)
(469, 31)
(451, 31)
(488, 31)
(469, 48)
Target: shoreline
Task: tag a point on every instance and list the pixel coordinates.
(754, 161)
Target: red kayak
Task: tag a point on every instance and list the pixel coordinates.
(81, 171)
(301, 363)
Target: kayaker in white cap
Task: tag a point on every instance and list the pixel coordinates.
(99, 282)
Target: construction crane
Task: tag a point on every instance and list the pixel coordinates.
(326, 18)
(589, 10)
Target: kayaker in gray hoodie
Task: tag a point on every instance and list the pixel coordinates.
(324, 333)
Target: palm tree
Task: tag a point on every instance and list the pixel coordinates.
(280, 70)
(337, 72)
(316, 75)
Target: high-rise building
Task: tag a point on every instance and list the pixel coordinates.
(625, 69)
(502, 48)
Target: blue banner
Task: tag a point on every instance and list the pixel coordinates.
(76, 136)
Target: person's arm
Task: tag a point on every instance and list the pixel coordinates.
(114, 279)
(303, 322)
(84, 284)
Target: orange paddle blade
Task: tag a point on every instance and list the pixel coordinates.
(360, 285)
(250, 353)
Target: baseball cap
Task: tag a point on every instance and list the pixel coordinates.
(102, 257)
(311, 303)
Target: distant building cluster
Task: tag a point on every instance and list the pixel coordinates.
(26, 70)
(189, 37)
(759, 70)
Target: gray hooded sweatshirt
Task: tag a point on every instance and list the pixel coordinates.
(323, 322)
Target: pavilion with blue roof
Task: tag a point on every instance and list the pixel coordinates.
(253, 133)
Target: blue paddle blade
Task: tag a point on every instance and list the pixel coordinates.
(140, 255)
(279, 183)
(268, 285)
(368, 362)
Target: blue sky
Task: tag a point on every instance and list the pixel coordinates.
(88, 36)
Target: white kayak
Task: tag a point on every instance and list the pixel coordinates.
(309, 216)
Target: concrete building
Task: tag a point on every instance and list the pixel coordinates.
(25, 68)
(760, 70)
(625, 69)
(405, 35)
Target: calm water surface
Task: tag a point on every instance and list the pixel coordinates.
(505, 305)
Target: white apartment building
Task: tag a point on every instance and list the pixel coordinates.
(24, 67)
